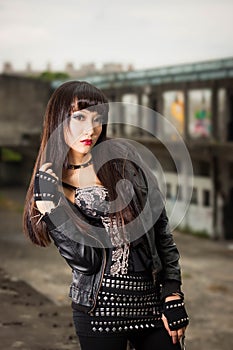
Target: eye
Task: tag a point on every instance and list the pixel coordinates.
(78, 116)
(98, 120)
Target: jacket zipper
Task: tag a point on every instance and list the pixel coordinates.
(154, 276)
(154, 269)
(101, 279)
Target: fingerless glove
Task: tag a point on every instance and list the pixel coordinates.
(176, 314)
(46, 187)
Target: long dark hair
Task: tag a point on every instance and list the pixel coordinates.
(53, 147)
(58, 111)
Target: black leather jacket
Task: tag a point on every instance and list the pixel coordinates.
(88, 262)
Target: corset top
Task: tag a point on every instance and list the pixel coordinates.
(92, 200)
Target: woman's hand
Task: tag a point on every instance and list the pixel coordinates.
(46, 184)
(178, 333)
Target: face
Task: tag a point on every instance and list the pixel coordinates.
(83, 131)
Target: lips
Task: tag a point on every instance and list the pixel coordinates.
(87, 142)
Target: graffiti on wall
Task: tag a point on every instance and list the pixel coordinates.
(200, 123)
(173, 102)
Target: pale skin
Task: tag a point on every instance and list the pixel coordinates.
(86, 125)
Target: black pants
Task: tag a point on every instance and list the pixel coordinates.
(155, 339)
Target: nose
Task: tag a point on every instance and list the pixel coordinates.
(88, 129)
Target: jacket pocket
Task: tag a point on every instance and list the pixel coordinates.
(77, 277)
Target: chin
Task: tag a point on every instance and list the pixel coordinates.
(82, 150)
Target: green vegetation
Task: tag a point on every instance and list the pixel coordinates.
(8, 155)
(188, 230)
(50, 76)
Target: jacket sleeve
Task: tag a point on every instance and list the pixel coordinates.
(169, 256)
(161, 241)
(161, 238)
(84, 258)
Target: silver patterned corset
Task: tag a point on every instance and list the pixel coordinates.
(94, 201)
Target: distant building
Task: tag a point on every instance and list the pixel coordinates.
(85, 69)
(7, 68)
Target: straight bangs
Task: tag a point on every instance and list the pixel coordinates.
(102, 108)
(88, 97)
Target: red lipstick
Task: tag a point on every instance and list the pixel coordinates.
(87, 142)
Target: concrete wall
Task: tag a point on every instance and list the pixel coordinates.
(22, 106)
(198, 216)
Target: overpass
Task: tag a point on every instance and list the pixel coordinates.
(201, 71)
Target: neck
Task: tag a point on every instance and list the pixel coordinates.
(78, 158)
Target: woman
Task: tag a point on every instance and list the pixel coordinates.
(102, 208)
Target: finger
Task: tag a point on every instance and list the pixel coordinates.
(164, 319)
(174, 336)
(45, 166)
(180, 333)
(54, 175)
(50, 171)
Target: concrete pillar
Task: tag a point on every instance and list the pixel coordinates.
(140, 115)
(186, 115)
(154, 101)
(221, 186)
(115, 113)
(214, 113)
(130, 113)
(222, 114)
(215, 182)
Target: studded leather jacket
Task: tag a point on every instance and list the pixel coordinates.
(88, 261)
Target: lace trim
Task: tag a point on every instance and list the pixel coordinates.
(121, 252)
(94, 201)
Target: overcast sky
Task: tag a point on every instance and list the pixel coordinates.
(146, 33)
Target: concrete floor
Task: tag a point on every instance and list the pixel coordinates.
(32, 276)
